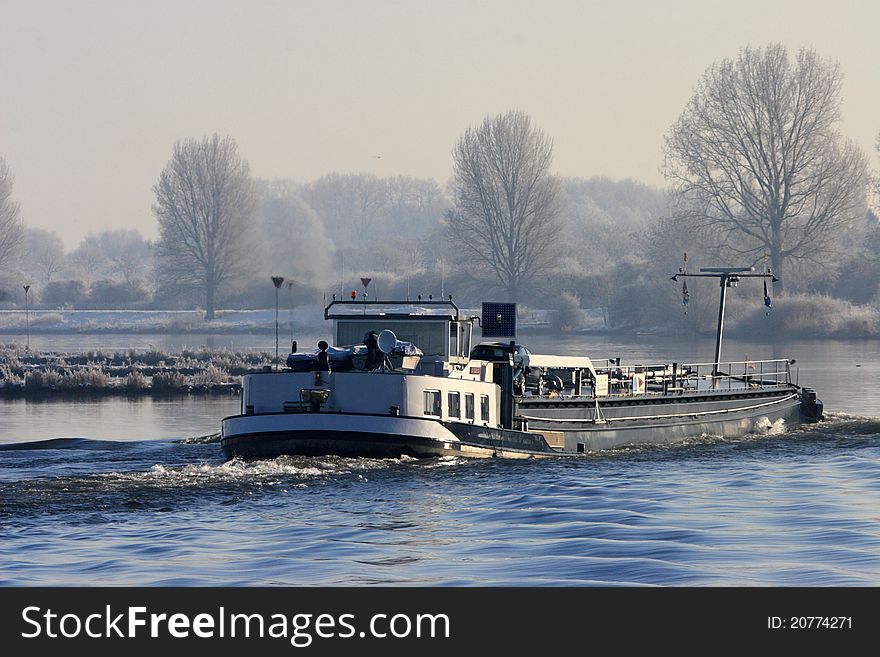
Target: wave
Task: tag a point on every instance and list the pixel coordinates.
(64, 443)
(167, 487)
(283, 470)
(200, 440)
(859, 430)
(847, 423)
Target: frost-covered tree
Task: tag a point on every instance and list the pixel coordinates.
(877, 182)
(122, 255)
(43, 253)
(506, 211)
(11, 226)
(349, 204)
(295, 242)
(205, 206)
(757, 158)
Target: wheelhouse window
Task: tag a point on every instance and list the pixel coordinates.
(484, 408)
(428, 336)
(469, 406)
(454, 400)
(433, 404)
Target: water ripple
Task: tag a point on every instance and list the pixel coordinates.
(801, 508)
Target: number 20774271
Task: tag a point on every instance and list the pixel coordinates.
(810, 623)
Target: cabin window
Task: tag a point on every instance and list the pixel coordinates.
(432, 403)
(453, 339)
(454, 400)
(484, 408)
(469, 406)
(428, 336)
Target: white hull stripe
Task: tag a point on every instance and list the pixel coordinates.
(393, 425)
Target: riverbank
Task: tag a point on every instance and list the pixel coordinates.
(30, 373)
(795, 316)
(63, 322)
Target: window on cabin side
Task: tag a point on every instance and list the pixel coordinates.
(454, 400)
(432, 403)
(469, 406)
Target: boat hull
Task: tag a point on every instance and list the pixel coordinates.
(345, 434)
(665, 420)
(275, 434)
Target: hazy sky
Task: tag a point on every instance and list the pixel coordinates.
(94, 94)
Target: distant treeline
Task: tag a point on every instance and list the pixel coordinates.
(615, 253)
(327, 234)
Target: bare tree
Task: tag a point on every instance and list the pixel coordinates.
(11, 226)
(87, 263)
(505, 217)
(413, 206)
(43, 254)
(204, 204)
(877, 181)
(756, 157)
(605, 217)
(296, 243)
(117, 254)
(349, 204)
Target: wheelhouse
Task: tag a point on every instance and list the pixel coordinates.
(437, 327)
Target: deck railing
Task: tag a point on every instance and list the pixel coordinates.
(669, 378)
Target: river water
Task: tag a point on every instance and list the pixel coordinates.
(121, 492)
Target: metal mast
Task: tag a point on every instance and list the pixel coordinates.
(727, 277)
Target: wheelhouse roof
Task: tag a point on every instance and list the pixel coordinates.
(410, 310)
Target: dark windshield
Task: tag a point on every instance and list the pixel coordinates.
(495, 351)
(489, 352)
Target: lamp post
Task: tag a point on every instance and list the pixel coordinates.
(277, 281)
(365, 282)
(27, 321)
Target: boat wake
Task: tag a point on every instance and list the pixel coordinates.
(767, 428)
(284, 469)
(200, 440)
(57, 482)
(835, 426)
(846, 423)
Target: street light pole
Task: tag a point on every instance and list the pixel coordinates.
(27, 320)
(277, 281)
(365, 282)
